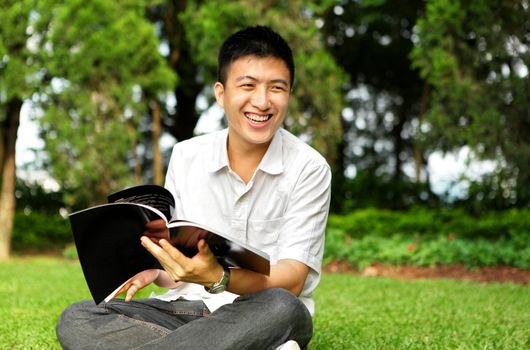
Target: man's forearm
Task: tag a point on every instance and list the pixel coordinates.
(287, 274)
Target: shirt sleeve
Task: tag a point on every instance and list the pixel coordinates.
(303, 229)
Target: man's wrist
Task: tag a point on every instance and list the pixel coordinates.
(221, 284)
(216, 275)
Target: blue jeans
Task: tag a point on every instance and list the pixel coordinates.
(262, 320)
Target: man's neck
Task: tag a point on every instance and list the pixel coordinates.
(244, 159)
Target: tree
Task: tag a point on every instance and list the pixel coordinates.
(104, 69)
(371, 40)
(18, 75)
(179, 120)
(104, 75)
(476, 56)
(101, 80)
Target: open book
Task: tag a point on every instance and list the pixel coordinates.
(107, 238)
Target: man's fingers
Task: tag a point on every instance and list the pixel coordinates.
(133, 288)
(171, 259)
(152, 247)
(203, 247)
(157, 251)
(173, 252)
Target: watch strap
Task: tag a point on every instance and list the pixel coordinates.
(220, 286)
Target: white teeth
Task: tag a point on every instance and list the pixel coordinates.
(257, 118)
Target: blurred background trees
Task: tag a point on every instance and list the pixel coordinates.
(475, 56)
(17, 83)
(380, 87)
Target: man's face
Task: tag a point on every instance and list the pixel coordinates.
(255, 98)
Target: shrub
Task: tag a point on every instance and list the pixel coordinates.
(425, 222)
(428, 238)
(434, 251)
(38, 231)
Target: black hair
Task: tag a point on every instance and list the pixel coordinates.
(258, 41)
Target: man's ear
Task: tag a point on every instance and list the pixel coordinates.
(219, 91)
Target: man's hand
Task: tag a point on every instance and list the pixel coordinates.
(137, 282)
(202, 268)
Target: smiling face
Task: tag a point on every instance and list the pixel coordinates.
(255, 98)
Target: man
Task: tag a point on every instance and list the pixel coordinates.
(256, 182)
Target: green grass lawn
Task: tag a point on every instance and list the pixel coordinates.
(352, 312)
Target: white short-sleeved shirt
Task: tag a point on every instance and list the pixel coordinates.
(282, 210)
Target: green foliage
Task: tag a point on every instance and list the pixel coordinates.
(104, 66)
(17, 62)
(36, 231)
(34, 197)
(70, 252)
(432, 251)
(420, 237)
(368, 190)
(475, 57)
(424, 222)
(351, 312)
(429, 238)
(371, 41)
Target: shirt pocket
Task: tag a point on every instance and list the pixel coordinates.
(263, 235)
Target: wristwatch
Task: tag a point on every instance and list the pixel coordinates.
(220, 286)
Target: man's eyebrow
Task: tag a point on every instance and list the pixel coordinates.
(276, 81)
(243, 77)
(280, 81)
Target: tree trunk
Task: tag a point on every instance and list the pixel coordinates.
(134, 153)
(418, 154)
(158, 168)
(3, 133)
(7, 191)
(185, 119)
(402, 114)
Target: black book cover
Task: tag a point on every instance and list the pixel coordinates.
(107, 238)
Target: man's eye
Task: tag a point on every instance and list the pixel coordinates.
(278, 88)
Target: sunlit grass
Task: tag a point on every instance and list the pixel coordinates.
(382, 313)
(352, 312)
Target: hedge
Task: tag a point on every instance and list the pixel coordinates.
(424, 237)
(38, 231)
(416, 237)
(429, 222)
(426, 251)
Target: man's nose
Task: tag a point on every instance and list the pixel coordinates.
(261, 99)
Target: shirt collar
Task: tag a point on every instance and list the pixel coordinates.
(271, 163)
(219, 158)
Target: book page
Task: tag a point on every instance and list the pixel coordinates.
(114, 293)
(153, 196)
(185, 235)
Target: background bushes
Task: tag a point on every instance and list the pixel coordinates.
(431, 222)
(418, 237)
(34, 231)
(424, 237)
(425, 251)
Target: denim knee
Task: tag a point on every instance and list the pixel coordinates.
(290, 313)
(286, 305)
(70, 320)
